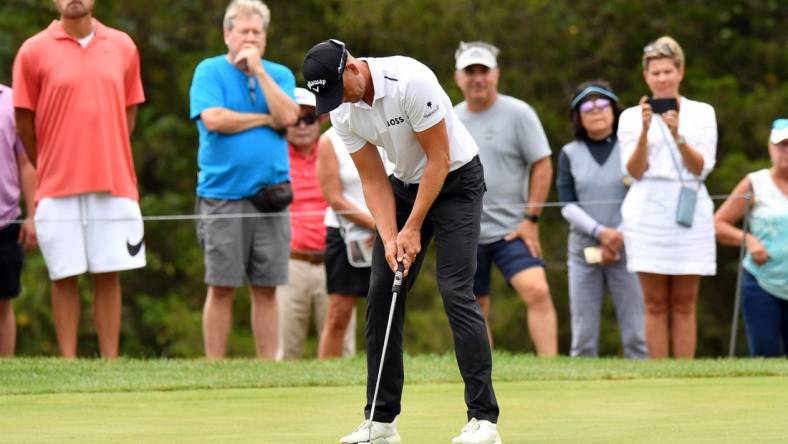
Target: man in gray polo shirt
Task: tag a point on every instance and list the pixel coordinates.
(513, 149)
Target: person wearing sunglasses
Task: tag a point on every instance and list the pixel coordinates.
(668, 146)
(435, 190)
(305, 297)
(590, 177)
(515, 153)
(764, 287)
(241, 104)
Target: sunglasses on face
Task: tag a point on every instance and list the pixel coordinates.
(589, 105)
(307, 119)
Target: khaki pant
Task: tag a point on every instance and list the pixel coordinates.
(304, 295)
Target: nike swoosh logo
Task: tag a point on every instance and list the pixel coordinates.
(134, 249)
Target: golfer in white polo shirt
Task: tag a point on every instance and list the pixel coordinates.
(435, 191)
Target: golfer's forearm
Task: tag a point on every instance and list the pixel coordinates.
(380, 201)
(430, 186)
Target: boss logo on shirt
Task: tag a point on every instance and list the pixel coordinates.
(395, 121)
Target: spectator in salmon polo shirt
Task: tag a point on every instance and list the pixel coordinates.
(76, 90)
(306, 291)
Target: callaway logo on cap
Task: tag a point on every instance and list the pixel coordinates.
(324, 64)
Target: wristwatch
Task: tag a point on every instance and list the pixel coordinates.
(532, 217)
(680, 140)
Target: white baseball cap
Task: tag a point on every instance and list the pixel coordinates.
(305, 97)
(779, 131)
(476, 53)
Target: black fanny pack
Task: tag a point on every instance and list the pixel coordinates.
(273, 198)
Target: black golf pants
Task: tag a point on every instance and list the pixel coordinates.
(453, 220)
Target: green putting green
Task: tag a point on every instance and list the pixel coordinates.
(667, 410)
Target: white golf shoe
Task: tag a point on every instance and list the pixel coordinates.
(381, 433)
(478, 432)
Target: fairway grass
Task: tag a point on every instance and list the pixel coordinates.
(51, 375)
(667, 410)
(560, 400)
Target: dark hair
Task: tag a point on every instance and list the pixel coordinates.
(577, 124)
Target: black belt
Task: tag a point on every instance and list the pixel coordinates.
(470, 164)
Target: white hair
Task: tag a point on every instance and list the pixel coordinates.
(245, 8)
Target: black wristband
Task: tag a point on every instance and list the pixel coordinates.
(532, 217)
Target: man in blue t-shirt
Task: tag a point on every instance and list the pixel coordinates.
(241, 103)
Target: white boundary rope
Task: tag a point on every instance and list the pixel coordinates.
(181, 217)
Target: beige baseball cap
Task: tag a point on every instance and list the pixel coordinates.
(476, 53)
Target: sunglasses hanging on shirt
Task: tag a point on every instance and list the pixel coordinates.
(252, 86)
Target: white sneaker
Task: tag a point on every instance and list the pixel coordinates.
(478, 432)
(381, 433)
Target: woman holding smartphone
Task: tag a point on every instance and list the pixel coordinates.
(589, 173)
(668, 149)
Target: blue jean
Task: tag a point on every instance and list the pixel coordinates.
(766, 319)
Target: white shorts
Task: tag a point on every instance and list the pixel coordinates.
(95, 232)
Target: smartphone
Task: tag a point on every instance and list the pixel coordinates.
(660, 106)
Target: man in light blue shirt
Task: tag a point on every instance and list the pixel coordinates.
(240, 103)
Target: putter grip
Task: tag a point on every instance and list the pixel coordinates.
(398, 278)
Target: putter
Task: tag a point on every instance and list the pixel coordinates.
(396, 288)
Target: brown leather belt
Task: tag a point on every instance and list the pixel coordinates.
(312, 258)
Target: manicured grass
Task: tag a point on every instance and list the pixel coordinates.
(667, 410)
(49, 375)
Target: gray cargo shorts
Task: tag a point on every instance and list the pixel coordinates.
(240, 250)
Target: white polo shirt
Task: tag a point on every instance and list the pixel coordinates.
(408, 99)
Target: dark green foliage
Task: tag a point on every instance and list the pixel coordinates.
(736, 60)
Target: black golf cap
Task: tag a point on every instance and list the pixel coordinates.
(324, 64)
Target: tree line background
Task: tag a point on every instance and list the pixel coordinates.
(736, 61)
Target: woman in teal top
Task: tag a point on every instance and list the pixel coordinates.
(765, 283)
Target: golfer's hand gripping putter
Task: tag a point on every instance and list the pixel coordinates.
(397, 286)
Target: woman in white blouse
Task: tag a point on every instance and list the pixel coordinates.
(664, 153)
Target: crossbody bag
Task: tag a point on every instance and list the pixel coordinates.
(688, 196)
